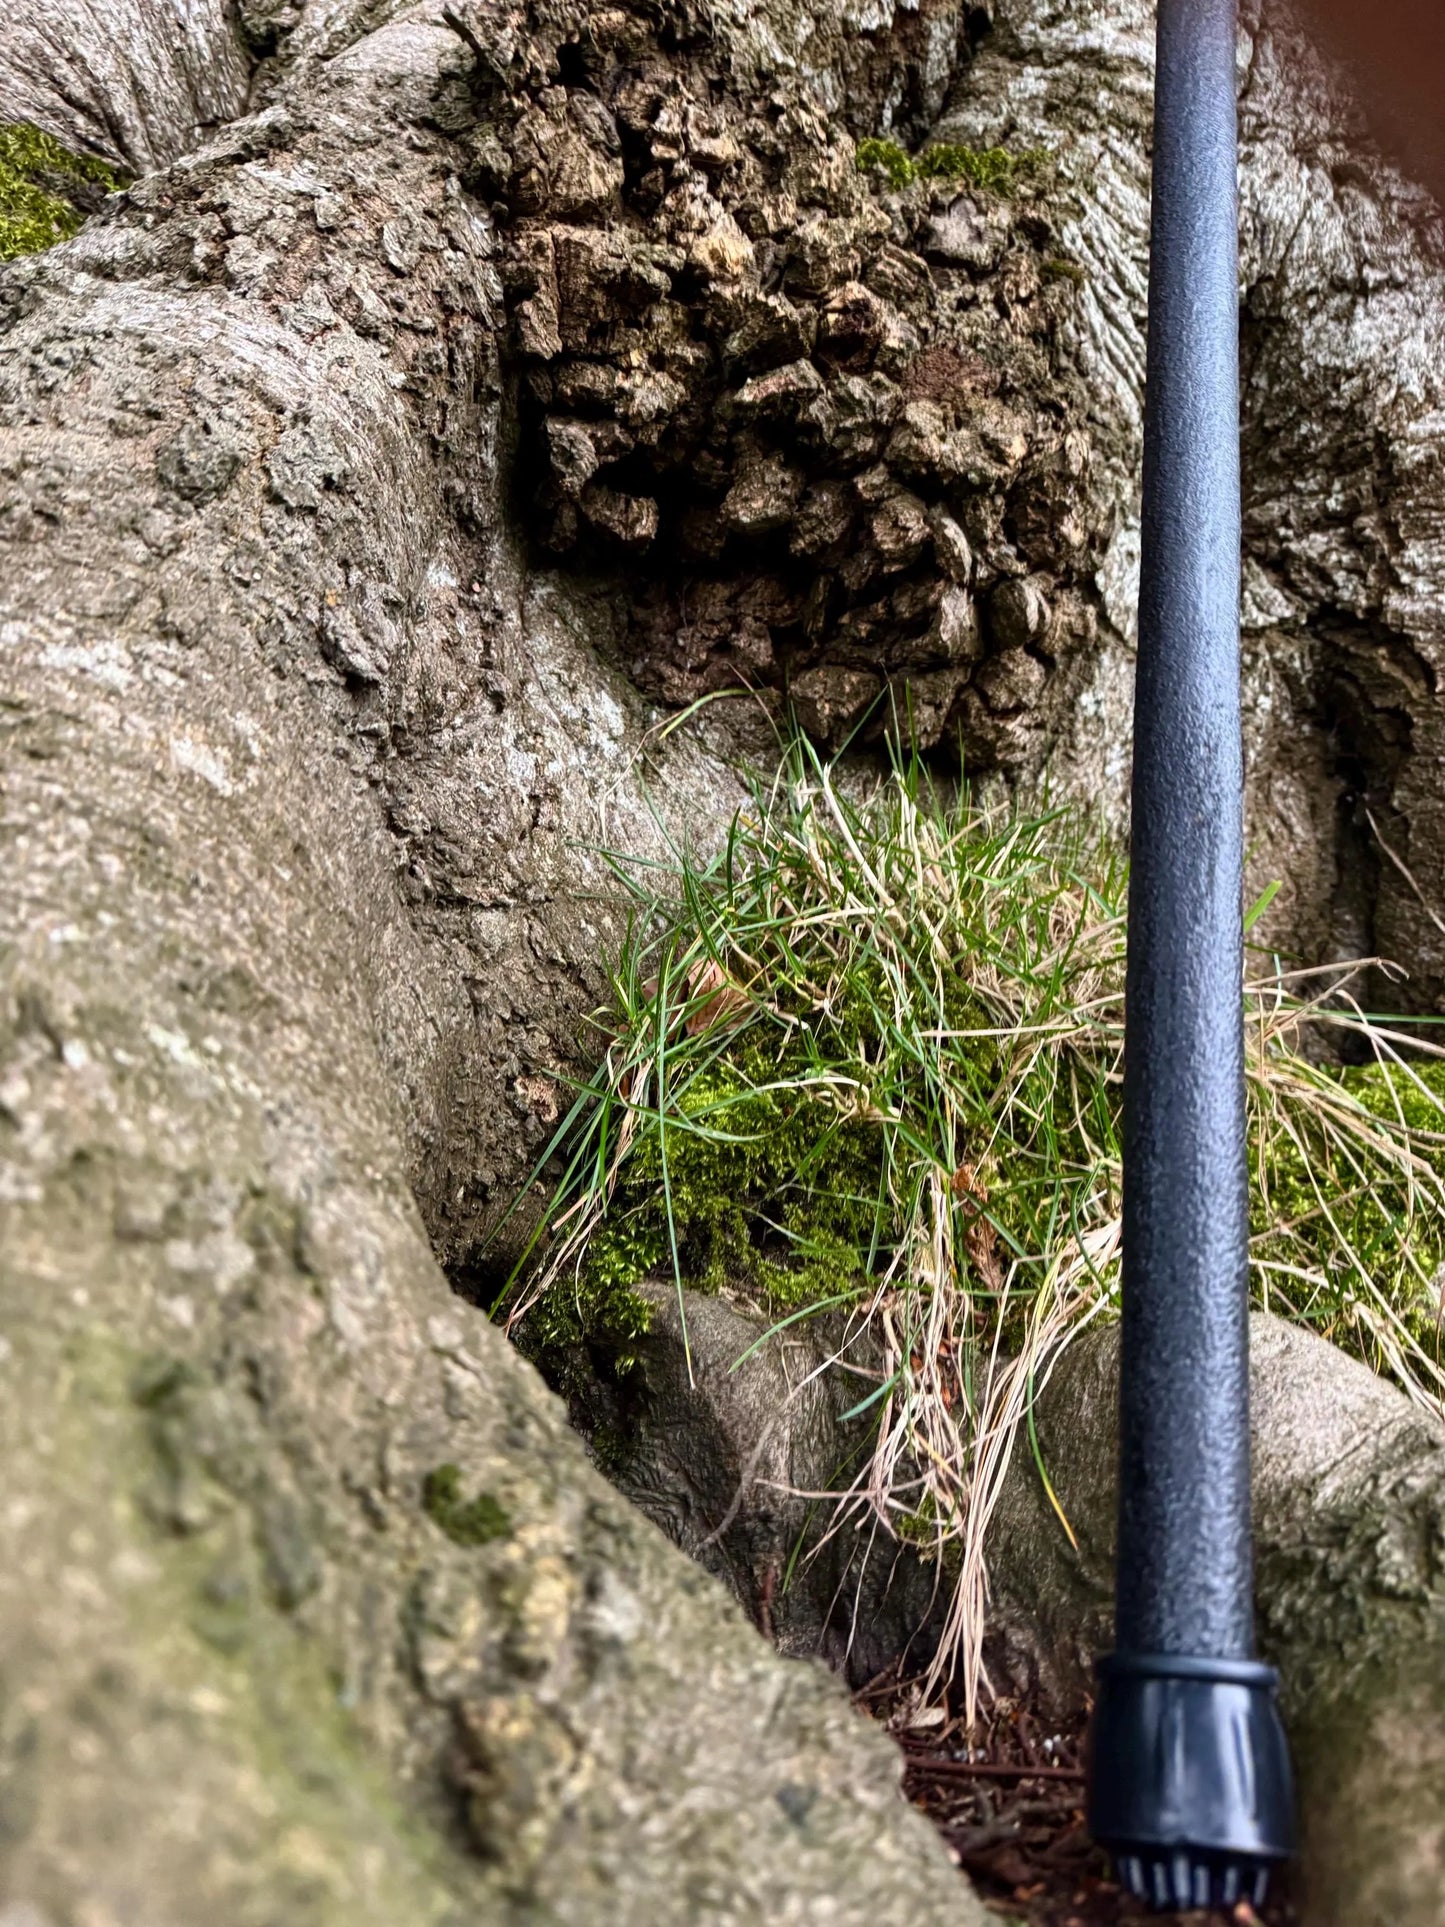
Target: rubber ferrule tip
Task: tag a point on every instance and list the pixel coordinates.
(1189, 1778)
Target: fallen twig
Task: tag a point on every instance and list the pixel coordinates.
(988, 1769)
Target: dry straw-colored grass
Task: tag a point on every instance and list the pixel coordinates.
(868, 1061)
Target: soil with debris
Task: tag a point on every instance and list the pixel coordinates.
(1010, 1807)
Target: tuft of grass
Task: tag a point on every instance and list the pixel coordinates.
(992, 168)
(45, 191)
(868, 1061)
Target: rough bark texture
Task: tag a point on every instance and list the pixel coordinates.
(826, 424)
(1344, 578)
(311, 1607)
(854, 442)
(306, 759)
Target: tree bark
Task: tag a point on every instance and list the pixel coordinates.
(311, 747)
(136, 82)
(1343, 568)
(311, 1605)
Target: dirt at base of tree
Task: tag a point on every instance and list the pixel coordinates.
(1010, 1808)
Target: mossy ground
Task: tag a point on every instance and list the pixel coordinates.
(755, 1179)
(869, 1061)
(1341, 1244)
(46, 192)
(785, 1211)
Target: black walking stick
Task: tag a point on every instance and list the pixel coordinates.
(1189, 1777)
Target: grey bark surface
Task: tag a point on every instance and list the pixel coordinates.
(725, 1444)
(311, 1607)
(136, 82)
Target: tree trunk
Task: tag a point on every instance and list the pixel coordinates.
(312, 1608)
(441, 398)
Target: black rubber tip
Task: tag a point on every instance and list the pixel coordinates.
(1189, 1779)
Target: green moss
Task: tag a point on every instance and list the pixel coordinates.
(160, 1378)
(467, 1522)
(781, 1204)
(991, 168)
(889, 159)
(1063, 270)
(776, 1194)
(874, 1046)
(1313, 1205)
(45, 191)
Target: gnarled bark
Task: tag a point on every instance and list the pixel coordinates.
(308, 760)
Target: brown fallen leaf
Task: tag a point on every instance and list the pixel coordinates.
(980, 1242)
(713, 998)
(967, 1184)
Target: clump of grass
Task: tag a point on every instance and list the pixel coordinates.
(868, 1061)
(992, 168)
(45, 191)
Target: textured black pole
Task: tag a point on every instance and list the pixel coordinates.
(1189, 1780)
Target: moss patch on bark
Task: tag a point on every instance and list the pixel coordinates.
(46, 192)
